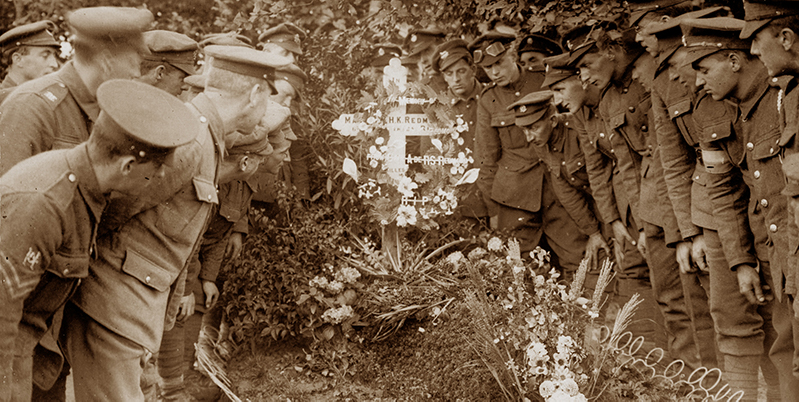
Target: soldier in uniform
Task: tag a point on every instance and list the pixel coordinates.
(51, 206)
(30, 53)
(534, 48)
(512, 176)
(56, 111)
(116, 319)
(284, 40)
(559, 147)
(453, 62)
(625, 108)
(741, 145)
(685, 176)
(171, 59)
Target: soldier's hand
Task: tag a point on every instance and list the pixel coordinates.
(620, 233)
(641, 246)
(699, 253)
(749, 284)
(233, 248)
(683, 254)
(592, 246)
(493, 221)
(211, 293)
(186, 308)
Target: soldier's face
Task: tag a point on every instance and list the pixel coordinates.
(504, 71)
(647, 41)
(539, 132)
(273, 48)
(459, 77)
(172, 81)
(644, 71)
(716, 74)
(285, 93)
(532, 60)
(681, 72)
(596, 69)
(569, 94)
(37, 61)
(141, 175)
(769, 46)
(123, 65)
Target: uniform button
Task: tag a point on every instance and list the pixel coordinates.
(502, 122)
(601, 135)
(624, 90)
(696, 178)
(757, 174)
(563, 163)
(66, 271)
(750, 146)
(210, 197)
(644, 128)
(676, 112)
(579, 164)
(566, 124)
(61, 85)
(631, 109)
(572, 178)
(714, 135)
(774, 79)
(72, 177)
(468, 106)
(203, 119)
(772, 228)
(764, 203)
(517, 93)
(147, 279)
(613, 151)
(771, 150)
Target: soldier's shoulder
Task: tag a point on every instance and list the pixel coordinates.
(47, 174)
(49, 88)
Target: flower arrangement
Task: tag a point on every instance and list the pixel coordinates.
(411, 163)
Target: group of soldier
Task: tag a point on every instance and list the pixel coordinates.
(665, 141)
(127, 177)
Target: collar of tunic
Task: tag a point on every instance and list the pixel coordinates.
(87, 102)
(760, 85)
(80, 164)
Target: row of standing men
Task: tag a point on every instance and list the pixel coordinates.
(671, 137)
(119, 201)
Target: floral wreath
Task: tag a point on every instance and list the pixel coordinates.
(411, 189)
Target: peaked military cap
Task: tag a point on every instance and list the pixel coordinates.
(151, 119)
(758, 13)
(246, 61)
(286, 35)
(111, 23)
(173, 48)
(448, 53)
(539, 43)
(790, 166)
(293, 75)
(532, 107)
(580, 40)
(256, 143)
(669, 34)
(226, 39)
(557, 69)
(489, 47)
(384, 52)
(418, 40)
(638, 9)
(34, 34)
(705, 36)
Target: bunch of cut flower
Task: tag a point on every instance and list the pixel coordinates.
(538, 337)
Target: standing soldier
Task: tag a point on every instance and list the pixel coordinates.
(56, 111)
(774, 29)
(116, 319)
(625, 108)
(172, 58)
(454, 62)
(29, 52)
(685, 176)
(533, 49)
(51, 205)
(742, 146)
(284, 40)
(421, 46)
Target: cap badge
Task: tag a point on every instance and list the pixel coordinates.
(381, 52)
(413, 38)
(546, 69)
(529, 41)
(522, 109)
(495, 49)
(297, 38)
(444, 54)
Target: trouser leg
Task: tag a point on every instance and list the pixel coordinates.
(105, 365)
(664, 274)
(562, 234)
(525, 226)
(696, 288)
(783, 349)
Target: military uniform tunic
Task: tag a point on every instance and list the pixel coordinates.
(52, 112)
(472, 205)
(50, 206)
(6, 87)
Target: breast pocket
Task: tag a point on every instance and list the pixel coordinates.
(766, 164)
(175, 214)
(630, 127)
(510, 136)
(147, 272)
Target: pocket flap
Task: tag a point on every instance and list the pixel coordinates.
(617, 120)
(766, 148)
(680, 108)
(69, 266)
(206, 190)
(718, 131)
(503, 119)
(146, 271)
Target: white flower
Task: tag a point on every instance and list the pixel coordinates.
(494, 244)
(371, 120)
(335, 287)
(455, 135)
(363, 126)
(380, 140)
(406, 186)
(455, 258)
(570, 387)
(547, 389)
(337, 315)
(373, 163)
(348, 275)
(406, 215)
(460, 141)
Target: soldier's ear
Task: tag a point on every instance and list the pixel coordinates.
(125, 164)
(735, 61)
(788, 38)
(159, 72)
